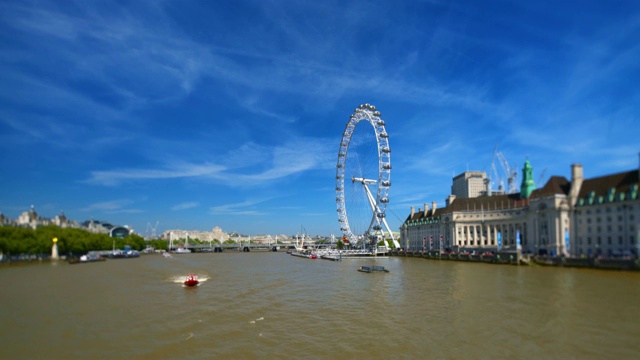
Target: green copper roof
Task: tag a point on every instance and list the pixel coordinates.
(527, 186)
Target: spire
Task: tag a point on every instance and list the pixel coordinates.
(527, 186)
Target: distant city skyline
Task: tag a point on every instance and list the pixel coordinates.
(230, 114)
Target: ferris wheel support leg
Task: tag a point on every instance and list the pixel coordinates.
(372, 200)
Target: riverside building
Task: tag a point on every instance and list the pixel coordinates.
(578, 217)
(33, 220)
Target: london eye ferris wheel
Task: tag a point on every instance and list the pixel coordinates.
(363, 179)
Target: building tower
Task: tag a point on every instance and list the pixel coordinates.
(527, 185)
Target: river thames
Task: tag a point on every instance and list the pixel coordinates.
(276, 306)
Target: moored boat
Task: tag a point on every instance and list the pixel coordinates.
(366, 269)
(131, 253)
(379, 268)
(116, 254)
(182, 250)
(86, 259)
(127, 253)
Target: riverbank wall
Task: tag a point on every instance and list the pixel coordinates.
(517, 258)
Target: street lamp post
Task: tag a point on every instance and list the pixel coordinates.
(54, 249)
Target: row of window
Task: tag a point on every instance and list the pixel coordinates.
(599, 219)
(632, 240)
(610, 228)
(607, 209)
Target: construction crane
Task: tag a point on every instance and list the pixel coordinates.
(153, 230)
(511, 173)
(541, 177)
(495, 178)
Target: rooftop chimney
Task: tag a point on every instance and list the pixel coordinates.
(426, 209)
(412, 211)
(433, 206)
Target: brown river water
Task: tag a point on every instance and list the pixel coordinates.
(276, 306)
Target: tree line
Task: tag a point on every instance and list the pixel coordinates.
(19, 240)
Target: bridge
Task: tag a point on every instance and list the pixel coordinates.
(236, 247)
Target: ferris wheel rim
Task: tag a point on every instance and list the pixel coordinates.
(365, 112)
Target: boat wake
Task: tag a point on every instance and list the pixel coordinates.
(180, 279)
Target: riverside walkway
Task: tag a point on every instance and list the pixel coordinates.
(517, 258)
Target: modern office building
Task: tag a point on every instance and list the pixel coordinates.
(469, 184)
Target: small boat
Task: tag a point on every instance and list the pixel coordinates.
(86, 259)
(127, 253)
(132, 254)
(116, 254)
(374, 268)
(191, 280)
(182, 250)
(379, 268)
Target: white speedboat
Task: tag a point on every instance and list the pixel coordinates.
(182, 250)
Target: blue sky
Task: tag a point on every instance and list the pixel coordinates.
(196, 114)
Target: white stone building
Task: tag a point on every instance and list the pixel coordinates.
(581, 217)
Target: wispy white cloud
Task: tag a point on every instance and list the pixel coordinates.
(247, 207)
(115, 177)
(288, 159)
(112, 207)
(108, 205)
(185, 206)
